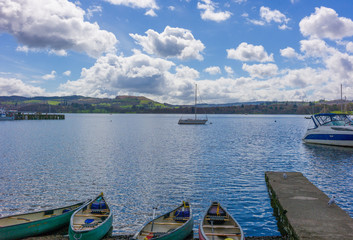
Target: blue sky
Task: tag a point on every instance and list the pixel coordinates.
(235, 50)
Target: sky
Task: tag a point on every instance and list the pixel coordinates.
(234, 50)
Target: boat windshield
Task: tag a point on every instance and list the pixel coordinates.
(333, 119)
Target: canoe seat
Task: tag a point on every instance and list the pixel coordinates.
(221, 226)
(98, 211)
(224, 234)
(153, 234)
(180, 219)
(91, 215)
(21, 218)
(89, 223)
(217, 218)
(168, 223)
(48, 212)
(158, 234)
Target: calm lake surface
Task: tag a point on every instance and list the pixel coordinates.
(145, 160)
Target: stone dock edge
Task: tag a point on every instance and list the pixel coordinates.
(303, 211)
(284, 227)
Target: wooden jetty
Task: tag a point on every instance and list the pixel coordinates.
(38, 116)
(302, 210)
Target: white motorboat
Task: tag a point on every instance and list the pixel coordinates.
(330, 129)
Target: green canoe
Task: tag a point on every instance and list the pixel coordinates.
(174, 225)
(91, 221)
(36, 223)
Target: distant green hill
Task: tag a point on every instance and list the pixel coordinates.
(133, 104)
(80, 104)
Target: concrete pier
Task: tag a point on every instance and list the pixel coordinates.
(302, 210)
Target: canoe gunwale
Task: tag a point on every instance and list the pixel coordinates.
(40, 211)
(34, 227)
(201, 231)
(183, 224)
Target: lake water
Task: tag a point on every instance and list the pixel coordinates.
(145, 160)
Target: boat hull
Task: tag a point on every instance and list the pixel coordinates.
(97, 231)
(95, 234)
(219, 225)
(192, 121)
(181, 233)
(7, 118)
(329, 137)
(38, 227)
(170, 229)
(330, 129)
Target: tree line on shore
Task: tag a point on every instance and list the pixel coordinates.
(131, 104)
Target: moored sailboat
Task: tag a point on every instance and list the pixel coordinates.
(194, 120)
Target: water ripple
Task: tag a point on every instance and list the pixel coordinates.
(141, 161)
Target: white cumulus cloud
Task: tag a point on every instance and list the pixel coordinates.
(316, 48)
(49, 76)
(289, 52)
(249, 52)
(276, 16)
(213, 70)
(209, 12)
(341, 65)
(14, 86)
(92, 10)
(267, 16)
(135, 3)
(151, 5)
(111, 74)
(349, 47)
(171, 43)
(151, 13)
(67, 73)
(325, 23)
(261, 70)
(228, 70)
(57, 25)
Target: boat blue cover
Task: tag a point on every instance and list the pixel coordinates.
(89, 220)
(99, 204)
(182, 214)
(213, 211)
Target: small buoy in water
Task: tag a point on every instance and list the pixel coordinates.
(210, 122)
(275, 120)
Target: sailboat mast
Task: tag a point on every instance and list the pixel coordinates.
(195, 99)
(341, 98)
